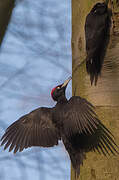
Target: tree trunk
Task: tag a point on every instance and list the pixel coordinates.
(105, 96)
(6, 7)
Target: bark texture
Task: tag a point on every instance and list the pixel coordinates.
(105, 96)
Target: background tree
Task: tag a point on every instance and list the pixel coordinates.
(6, 8)
(105, 96)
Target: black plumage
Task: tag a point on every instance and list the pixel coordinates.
(97, 27)
(73, 121)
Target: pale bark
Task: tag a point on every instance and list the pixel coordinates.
(105, 96)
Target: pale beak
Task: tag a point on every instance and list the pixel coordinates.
(66, 82)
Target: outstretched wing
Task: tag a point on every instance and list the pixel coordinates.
(33, 129)
(84, 130)
(79, 116)
(101, 140)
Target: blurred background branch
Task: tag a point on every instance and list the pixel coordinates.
(35, 56)
(6, 8)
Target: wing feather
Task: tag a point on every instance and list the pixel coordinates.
(84, 130)
(33, 129)
(79, 116)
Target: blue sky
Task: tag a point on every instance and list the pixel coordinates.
(34, 58)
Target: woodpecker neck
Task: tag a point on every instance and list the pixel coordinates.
(62, 99)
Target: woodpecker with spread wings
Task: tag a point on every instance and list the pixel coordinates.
(73, 121)
(97, 27)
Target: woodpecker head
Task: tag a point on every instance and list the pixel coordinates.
(99, 8)
(58, 92)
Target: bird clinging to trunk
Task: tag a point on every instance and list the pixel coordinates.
(97, 27)
(73, 121)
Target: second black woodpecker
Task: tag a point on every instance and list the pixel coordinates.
(97, 27)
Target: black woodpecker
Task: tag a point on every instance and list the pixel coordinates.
(97, 27)
(73, 121)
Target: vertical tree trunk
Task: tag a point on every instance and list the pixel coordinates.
(105, 96)
(6, 7)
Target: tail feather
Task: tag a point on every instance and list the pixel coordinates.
(93, 66)
(77, 160)
(76, 156)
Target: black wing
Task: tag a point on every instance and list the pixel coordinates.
(97, 37)
(33, 129)
(101, 140)
(84, 131)
(79, 116)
